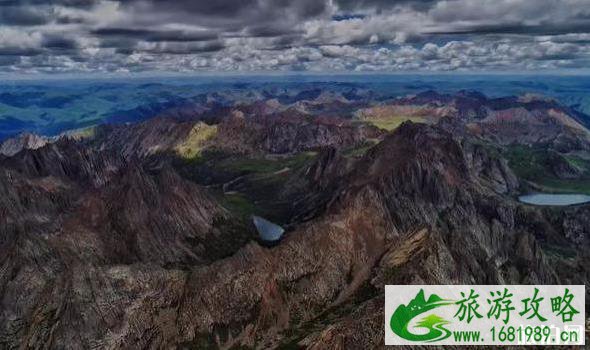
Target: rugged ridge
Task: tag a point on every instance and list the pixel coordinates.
(23, 141)
(290, 132)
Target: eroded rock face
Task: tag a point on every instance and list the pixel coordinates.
(576, 225)
(24, 141)
(110, 249)
(146, 138)
(290, 132)
(70, 216)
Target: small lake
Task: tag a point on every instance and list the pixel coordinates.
(268, 231)
(554, 199)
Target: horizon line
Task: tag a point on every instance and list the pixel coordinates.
(274, 74)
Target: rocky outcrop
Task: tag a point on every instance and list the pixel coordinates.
(24, 141)
(562, 168)
(158, 135)
(290, 132)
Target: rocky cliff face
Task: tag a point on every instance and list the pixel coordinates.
(105, 243)
(14, 145)
(290, 132)
(71, 213)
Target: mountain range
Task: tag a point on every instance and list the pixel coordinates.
(138, 233)
(53, 106)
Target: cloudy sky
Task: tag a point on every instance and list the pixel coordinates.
(100, 36)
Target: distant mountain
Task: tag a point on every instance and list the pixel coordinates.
(49, 108)
(527, 119)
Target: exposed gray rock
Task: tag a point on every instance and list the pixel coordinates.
(21, 142)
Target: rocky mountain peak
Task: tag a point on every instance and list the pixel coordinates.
(21, 142)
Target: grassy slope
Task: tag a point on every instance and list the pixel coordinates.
(360, 150)
(531, 164)
(196, 140)
(264, 179)
(261, 180)
(392, 122)
(261, 165)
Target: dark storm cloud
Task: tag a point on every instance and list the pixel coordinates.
(266, 31)
(69, 20)
(155, 35)
(24, 16)
(181, 48)
(9, 60)
(176, 35)
(379, 5)
(122, 32)
(230, 15)
(58, 42)
(218, 8)
(15, 51)
(346, 17)
(233, 8)
(69, 3)
(118, 43)
(550, 29)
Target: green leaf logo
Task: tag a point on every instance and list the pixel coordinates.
(403, 316)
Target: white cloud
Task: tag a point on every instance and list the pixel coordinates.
(442, 35)
(14, 38)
